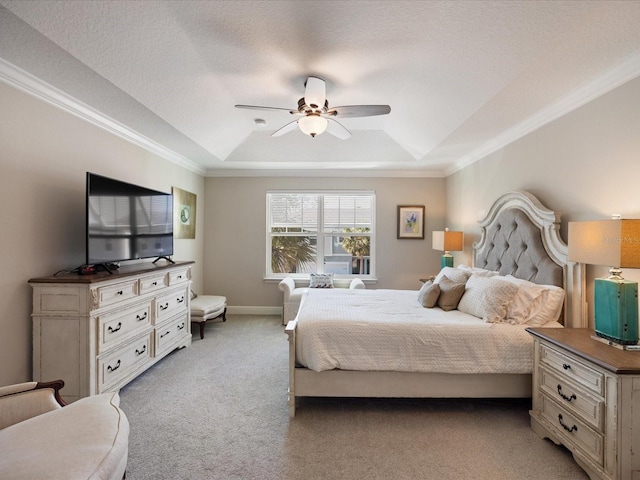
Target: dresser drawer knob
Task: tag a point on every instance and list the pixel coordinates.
(140, 352)
(165, 306)
(181, 326)
(162, 335)
(119, 292)
(566, 366)
(570, 430)
(114, 330)
(143, 317)
(180, 300)
(113, 369)
(568, 399)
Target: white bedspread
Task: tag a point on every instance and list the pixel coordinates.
(389, 330)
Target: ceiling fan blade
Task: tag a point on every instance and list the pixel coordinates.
(257, 107)
(349, 111)
(315, 93)
(289, 127)
(337, 130)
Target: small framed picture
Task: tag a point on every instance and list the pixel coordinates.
(184, 213)
(411, 221)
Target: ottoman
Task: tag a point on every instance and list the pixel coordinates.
(208, 307)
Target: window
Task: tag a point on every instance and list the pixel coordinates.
(320, 232)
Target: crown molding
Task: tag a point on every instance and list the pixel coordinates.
(32, 85)
(611, 80)
(329, 172)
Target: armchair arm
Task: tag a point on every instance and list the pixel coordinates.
(287, 285)
(25, 400)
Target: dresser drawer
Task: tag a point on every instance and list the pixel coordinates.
(152, 283)
(111, 294)
(168, 334)
(116, 327)
(575, 399)
(115, 366)
(569, 367)
(178, 276)
(171, 304)
(574, 431)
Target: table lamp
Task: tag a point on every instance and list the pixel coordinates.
(616, 244)
(448, 242)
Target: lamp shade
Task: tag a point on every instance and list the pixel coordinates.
(613, 243)
(313, 124)
(447, 241)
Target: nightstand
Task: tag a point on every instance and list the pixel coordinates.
(586, 396)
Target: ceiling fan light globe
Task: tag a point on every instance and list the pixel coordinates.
(312, 125)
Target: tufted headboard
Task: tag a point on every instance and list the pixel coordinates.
(521, 237)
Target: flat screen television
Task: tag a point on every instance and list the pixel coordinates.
(126, 221)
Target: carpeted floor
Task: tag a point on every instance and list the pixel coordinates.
(218, 410)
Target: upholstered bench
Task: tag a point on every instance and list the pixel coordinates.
(208, 307)
(39, 438)
(294, 290)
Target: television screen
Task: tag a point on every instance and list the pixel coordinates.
(126, 222)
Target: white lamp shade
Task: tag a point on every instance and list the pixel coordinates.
(447, 241)
(613, 243)
(313, 124)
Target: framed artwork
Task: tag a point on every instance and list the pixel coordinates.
(411, 221)
(184, 213)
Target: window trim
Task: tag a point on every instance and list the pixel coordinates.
(370, 277)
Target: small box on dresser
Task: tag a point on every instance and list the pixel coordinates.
(586, 396)
(98, 332)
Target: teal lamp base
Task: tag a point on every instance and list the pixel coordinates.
(616, 310)
(446, 261)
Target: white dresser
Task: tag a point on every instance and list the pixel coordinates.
(586, 396)
(98, 332)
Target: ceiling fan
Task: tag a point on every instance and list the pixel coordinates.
(315, 114)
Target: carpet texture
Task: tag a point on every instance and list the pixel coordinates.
(218, 410)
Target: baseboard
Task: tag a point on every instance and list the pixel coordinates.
(239, 310)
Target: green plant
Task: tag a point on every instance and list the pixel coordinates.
(357, 246)
(289, 253)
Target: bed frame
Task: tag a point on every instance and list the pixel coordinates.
(519, 237)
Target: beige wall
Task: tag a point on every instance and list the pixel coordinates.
(585, 164)
(235, 250)
(44, 154)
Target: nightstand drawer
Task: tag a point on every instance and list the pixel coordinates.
(573, 430)
(569, 367)
(574, 398)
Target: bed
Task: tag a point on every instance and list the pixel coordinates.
(396, 348)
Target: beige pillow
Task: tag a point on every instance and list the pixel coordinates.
(428, 294)
(455, 274)
(450, 293)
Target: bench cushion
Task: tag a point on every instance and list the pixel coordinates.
(204, 305)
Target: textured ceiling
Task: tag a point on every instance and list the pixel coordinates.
(462, 77)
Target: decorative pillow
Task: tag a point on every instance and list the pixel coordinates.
(450, 293)
(321, 280)
(428, 294)
(454, 274)
(487, 297)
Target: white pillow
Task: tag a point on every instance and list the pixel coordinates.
(321, 280)
(551, 307)
(487, 297)
(534, 304)
(454, 274)
(478, 271)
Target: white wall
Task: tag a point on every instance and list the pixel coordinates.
(44, 156)
(235, 232)
(585, 164)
